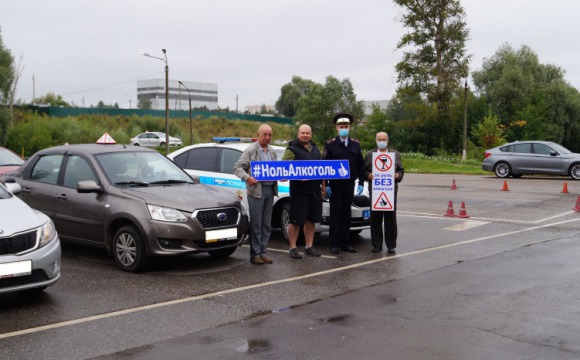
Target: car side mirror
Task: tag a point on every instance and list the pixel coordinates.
(553, 152)
(13, 187)
(88, 186)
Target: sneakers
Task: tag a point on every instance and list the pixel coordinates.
(294, 254)
(311, 251)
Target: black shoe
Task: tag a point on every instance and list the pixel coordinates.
(377, 249)
(294, 254)
(335, 250)
(391, 251)
(349, 249)
(311, 251)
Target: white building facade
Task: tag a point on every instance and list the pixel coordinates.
(202, 94)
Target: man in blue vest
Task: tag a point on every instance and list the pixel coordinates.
(341, 192)
(305, 195)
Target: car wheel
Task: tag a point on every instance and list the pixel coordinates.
(129, 250)
(136, 144)
(222, 253)
(285, 220)
(162, 144)
(502, 170)
(575, 171)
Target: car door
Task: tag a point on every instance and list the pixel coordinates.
(545, 162)
(40, 183)
(522, 158)
(79, 216)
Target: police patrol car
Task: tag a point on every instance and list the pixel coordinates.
(213, 164)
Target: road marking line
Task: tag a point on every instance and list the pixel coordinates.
(465, 225)
(435, 216)
(269, 283)
(286, 251)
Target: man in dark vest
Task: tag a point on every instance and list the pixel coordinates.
(341, 192)
(305, 195)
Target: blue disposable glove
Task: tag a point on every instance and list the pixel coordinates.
(328, 192)
(359, 189)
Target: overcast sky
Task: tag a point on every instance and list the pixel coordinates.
(88, 51)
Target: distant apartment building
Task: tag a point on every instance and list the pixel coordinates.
(202, 94)
(256, 109)
(369, 105)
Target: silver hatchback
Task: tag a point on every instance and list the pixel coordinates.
(532, 157)
(29, 245)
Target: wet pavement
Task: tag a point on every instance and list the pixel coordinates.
(500, 284)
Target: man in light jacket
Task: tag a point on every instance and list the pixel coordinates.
(260, 194)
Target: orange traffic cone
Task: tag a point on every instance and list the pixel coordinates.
(450, 211)
(577, 208)
(505, 187)
(453, 186)
(565, 188)
(462, 211)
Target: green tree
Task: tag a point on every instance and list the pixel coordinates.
(52, 99)
(531, 99)
(489, 132)
(144, 104)
(290, 94)
(436, 61)
(6, 72)
(318, 106)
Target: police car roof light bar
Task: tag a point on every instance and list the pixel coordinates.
(222, 140)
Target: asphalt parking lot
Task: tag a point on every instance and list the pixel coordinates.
(457, 288)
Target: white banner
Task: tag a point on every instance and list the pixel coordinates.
(383, 184)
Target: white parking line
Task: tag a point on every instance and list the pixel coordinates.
(286, 251)
(269, 283)
(435, 216)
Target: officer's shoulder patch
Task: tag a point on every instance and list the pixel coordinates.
(331, 140)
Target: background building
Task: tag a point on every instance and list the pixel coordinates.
(202, 94)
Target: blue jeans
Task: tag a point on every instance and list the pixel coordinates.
(261, 220)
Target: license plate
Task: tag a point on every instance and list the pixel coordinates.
(223, 234)
(366, 214)
(14, 269)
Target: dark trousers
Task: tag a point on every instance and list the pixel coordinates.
(388, 219)
(340, 203)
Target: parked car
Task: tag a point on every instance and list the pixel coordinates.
(213, 164)
(9, 161)
(531, 157)
(29, 245)
(132, 201)
(154, 139)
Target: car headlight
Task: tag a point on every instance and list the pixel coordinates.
(47, 233)
(166, 214)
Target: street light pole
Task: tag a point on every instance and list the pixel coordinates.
(464, 155)
(164, 59)
(190, 125)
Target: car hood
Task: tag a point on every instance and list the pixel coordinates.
(7, 168)
(16, 216)
(186, 197)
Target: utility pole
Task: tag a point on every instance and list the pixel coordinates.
(33, 91)
(236, 104)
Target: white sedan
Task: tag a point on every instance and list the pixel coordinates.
(154, 139)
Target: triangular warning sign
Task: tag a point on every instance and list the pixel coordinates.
(383, 203)
(106, 139)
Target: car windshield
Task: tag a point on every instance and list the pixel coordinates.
(141, 169)
(9, 158)
(559, 148)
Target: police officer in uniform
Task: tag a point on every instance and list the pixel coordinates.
(341, 192)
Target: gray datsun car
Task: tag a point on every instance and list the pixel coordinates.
(132, 201)
(531, 157)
